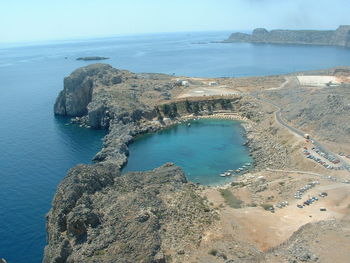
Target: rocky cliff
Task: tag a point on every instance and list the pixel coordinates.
(77, 92)
(100, 216)
(101, 93)
(339, 37)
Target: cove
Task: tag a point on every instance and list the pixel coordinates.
(205, 149)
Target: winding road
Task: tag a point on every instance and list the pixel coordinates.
(294, 130)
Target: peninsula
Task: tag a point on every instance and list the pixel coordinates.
(293, 205)
(338, 37)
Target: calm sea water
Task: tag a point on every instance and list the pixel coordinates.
(36, 149)
(204, 150)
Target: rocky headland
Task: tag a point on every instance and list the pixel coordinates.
(101, 215)
(338, 37)
(128, 104)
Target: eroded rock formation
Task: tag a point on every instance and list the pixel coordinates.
(100, 216)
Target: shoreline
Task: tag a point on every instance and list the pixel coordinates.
(154, 126)
(244, 123)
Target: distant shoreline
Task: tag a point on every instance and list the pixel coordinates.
(339, 37)
(92, 58)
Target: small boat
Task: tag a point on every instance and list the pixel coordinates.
(222, 175)
(188, 124)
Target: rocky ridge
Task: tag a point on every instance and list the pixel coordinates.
(105, 217)
(338, 37)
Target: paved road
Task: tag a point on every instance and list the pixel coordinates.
(294, 130)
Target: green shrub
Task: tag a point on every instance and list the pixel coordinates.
(213, 252)
(267, 206)
(230, 199)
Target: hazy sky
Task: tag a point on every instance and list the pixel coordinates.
(31, 20)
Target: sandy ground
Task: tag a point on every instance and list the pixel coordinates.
(198, 87)
(207, 91)
(274, 228)
(264, 229)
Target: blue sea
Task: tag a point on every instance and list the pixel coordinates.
(37, 149)
(205, 149)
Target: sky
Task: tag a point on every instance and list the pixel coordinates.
(39, 20)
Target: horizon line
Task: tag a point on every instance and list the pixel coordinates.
(38, 42)
(97, 37)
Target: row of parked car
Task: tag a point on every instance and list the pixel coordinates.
(330, 158)
(312, 200)
(301, 191)
(344, 155)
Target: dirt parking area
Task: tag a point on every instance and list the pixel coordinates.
(207, 91)
(266, 229)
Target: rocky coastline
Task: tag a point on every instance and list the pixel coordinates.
(338, 37)
(99, 215)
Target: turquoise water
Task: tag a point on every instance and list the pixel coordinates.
(204, 150)
(37, 149)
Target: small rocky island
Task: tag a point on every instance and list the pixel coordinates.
(101, 215)
(92, 58)
(338, 37)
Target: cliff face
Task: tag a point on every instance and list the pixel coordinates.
(339, 37)
(100, 216)
(77, 92)
(101, 93)
(208, 106)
